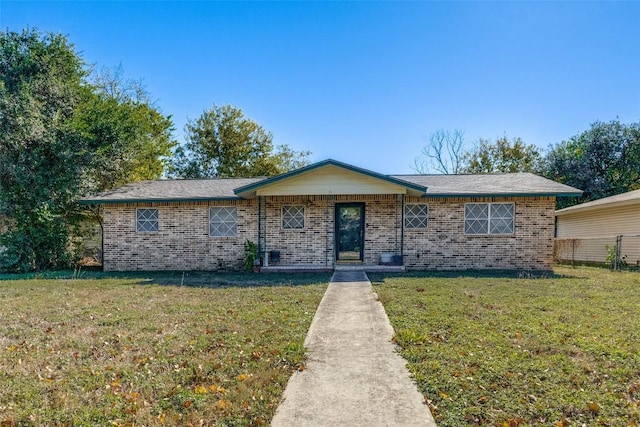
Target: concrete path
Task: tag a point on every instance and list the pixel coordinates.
(353, 377)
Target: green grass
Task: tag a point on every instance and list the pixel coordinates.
(151, 349)
(508, 351)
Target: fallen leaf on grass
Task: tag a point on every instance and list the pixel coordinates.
(512, 422)
(222, 405)
(216, 389)
(201, 390)
(593, 407)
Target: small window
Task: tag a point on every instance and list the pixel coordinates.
(416, 216)
(489, 218)
(293, 217)
(146, 220)
(223, 221)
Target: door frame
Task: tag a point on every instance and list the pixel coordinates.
(336, 226)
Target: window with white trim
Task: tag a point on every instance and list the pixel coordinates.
(146, 220)
(293, 217)
(223, 221)
(416, 216)
(489, 218)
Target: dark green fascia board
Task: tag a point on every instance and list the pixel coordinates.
(328, 162)
(121, 201)
(453, 195)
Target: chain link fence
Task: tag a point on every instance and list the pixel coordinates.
(617, 252)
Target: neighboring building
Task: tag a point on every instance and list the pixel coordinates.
(330, 213)
(585, 231)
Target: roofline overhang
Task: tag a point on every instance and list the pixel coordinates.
(470, 195)
(249, 190)
(156, 200)
(582, 208)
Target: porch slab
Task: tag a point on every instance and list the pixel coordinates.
(303, 268)
(370, 268)
(299, 268)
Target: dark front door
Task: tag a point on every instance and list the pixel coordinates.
(349, 231)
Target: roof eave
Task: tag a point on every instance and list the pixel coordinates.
(467, 195)
(515, 194)
(155, 200)
(581, 208)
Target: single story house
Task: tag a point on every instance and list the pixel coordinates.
(585, 231)
(331, 213)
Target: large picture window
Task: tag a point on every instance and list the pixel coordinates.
(146, 220)
(293, 217)
(489, 218)
(416, 216)
(223, 221)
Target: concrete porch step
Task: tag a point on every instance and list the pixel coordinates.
(371, 268)
(301, 268)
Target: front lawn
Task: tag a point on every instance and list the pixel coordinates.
(500, 351)
(167, 349)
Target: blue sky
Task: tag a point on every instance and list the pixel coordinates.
(367, 82)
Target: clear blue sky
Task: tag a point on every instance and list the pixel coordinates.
(367, 82)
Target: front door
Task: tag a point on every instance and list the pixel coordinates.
(349, 231)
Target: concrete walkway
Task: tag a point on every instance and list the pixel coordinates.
(353, 377)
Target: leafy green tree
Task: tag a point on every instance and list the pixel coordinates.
(501, 156)
(222, 142)
(41, 85)
(61, 137)
(129, 139)
(602, 161)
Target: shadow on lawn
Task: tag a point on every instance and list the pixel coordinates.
(199, 279)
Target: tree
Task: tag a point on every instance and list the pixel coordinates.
(443, 154)
(40, 152)
(129, 139)
(502, 156)
(61, 137)
(222, 142)
(602, 161)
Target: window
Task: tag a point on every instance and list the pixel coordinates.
(146, 220)
(416, 216)
(489, 218)
(223, 221)
(293, 217)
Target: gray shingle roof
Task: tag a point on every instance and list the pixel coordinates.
(173, 190)
(519, 184)
(618, 199)
(508, 184)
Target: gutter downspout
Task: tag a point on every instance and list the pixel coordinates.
(402, 231)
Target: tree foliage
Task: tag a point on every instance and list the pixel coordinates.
(130, 139)
(501, 156)
(61, 137)
(222, 142)
(442, 154)
(40, 153)
(602, 161)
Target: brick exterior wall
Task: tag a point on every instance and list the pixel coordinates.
(444, 245)
(314, 245)
(183, 242)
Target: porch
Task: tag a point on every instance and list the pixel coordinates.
(302, 268)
